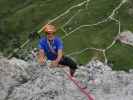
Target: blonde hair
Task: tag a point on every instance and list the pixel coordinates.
(50, 28)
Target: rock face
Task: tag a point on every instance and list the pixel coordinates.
(126, 37)
(11, 76)
(20, 80)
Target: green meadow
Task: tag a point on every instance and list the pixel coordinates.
(82, 25)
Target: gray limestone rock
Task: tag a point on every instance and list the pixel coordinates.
(20, 80)
(126, 37)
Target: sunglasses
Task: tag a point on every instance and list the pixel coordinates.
(48, 33)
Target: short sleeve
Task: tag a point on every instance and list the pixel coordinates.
(41, 44)
(59, 43)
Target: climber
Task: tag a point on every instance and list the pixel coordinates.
(51, 47)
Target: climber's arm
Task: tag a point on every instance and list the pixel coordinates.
(41, 56)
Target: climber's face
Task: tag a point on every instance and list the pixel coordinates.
(50, 31)
(50, 36)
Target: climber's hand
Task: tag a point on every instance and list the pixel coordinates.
(54, 63)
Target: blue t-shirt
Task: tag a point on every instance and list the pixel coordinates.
(55, 44)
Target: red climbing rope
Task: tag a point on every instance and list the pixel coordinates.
(81, 87)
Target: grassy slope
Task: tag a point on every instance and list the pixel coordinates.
(121, 57)
(95, 36)
(124, 16)
(120, 54)
(18, 18)
(30, 18)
